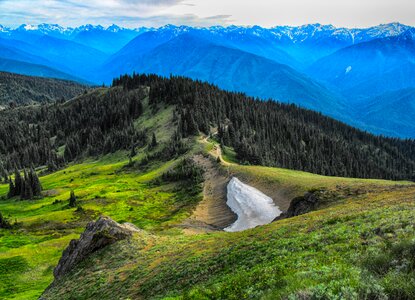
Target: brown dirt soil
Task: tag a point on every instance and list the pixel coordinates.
(212, 210)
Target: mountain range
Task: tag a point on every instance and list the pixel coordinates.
(340, 72)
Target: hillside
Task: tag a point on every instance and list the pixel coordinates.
(102, 122)
(176, 255)
(400, 108)
(346, 250)
(134, 152)
(24, 68)
(329, 69)
(366, 69)
(26, 90)
(230, 69)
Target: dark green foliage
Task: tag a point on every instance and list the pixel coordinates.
(27, 192)
(153, 141)
(264, 133)
(35, 183)
(27, 187)
(4, 176)
(91, 125)
(281, 135)
(174, 148)
(4, 223)
(395, 266)
(21, 89)
(72, 199)
(18, 183)
(12, 189)
(187, 169)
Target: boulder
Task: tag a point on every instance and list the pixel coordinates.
(300, 205)
(97, 235)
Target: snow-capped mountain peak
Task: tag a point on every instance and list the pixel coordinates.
(114, 28)
(4, 29)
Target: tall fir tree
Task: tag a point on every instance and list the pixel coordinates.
(18, 182)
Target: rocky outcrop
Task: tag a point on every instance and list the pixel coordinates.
(301, 205)
(97, 235)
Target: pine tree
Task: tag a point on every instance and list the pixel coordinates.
(4, 223)
(18, 183)
(133, 151)
(153, 141)
(35, 183)
(12, 189)
(26, 192)
(72, 199)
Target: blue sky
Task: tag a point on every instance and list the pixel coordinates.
(133, 13)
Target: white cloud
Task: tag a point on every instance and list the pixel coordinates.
(135, 13)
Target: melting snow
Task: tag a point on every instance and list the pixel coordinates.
(252, 206)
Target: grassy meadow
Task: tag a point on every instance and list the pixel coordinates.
(356, 247)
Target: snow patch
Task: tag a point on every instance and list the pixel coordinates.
(30, 27)
(252, 206)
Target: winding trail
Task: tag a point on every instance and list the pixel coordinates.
(213, 213)
(212, 210)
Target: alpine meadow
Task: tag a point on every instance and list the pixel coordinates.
(207, 152)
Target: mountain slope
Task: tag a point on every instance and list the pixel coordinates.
(19, 67)
(283, 44)
(23, 90)
(308, 43)
(367, 66)
(108, 40)
(65, 55)
(73, 55)
(230, 69)
(357, 63)
(337, 248)
(393, 111)
(102, 144)
(16, 50)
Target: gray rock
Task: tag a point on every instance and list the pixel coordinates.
(97, 235)
(302, 205)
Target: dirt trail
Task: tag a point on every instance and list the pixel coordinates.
(212, 211)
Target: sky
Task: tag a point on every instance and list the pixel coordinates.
(155, 13)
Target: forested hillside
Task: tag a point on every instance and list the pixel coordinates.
(263, 133)
(281, 135)
(21, 89)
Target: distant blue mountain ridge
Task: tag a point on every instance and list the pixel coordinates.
(357, 75)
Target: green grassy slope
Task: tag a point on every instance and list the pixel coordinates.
(361, 248)
(29, 252)
(317, 253)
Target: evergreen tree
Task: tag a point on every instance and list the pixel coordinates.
(12, 189)
(18, 183)
(153, 141)
(26, 192)
(133, 152)
(4, 223)
(35, 183)
(72, 199)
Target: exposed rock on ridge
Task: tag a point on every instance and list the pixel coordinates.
(97, 235)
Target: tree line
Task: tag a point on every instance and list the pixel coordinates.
(26, 187)
(261, 132)
(276, 134)
(53, 134)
